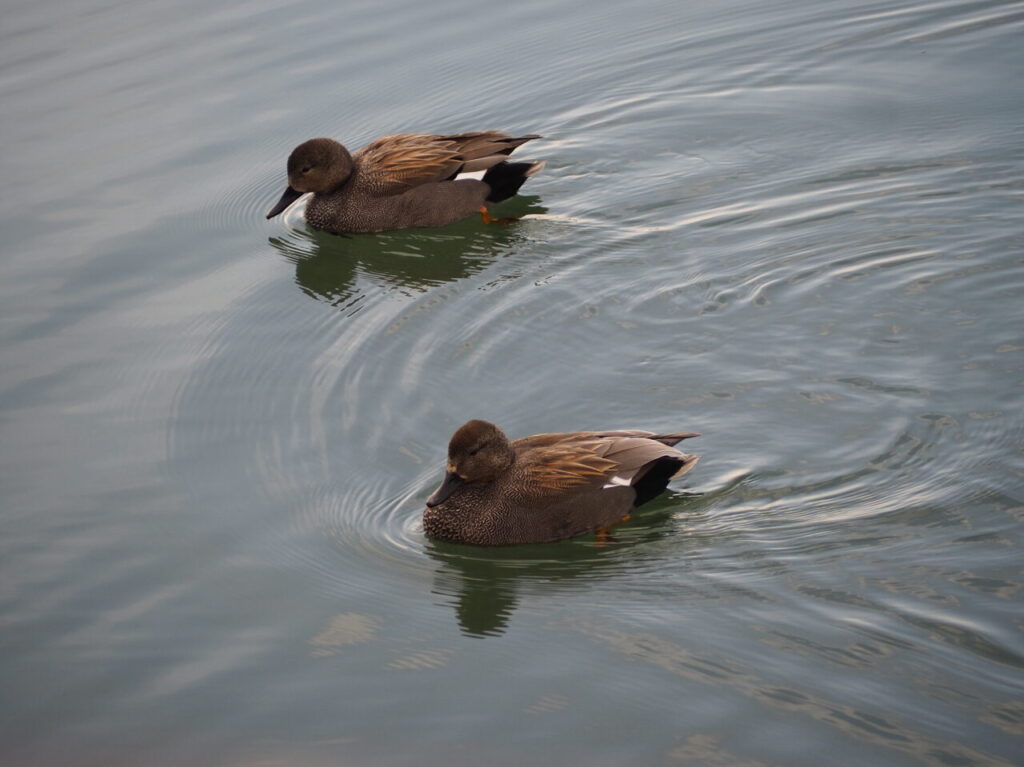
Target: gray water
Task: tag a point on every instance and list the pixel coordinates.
(793, 226)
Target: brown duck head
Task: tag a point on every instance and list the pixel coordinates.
(319, 165)
(477, 454)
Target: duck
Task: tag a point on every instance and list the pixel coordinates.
(405, 180)
(547, 487)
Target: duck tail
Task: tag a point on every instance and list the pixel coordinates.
(653, 478)
(505, 178)
(671, 439)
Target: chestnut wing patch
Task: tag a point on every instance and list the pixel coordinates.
(614, 458)
(397, 163)
(563, 466)
(394, 164)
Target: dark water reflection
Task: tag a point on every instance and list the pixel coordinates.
(327, 265)
(484, 585)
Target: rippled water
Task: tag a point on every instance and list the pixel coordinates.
(793, 226)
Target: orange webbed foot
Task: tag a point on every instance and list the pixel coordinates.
(489, 219)
(603, 535)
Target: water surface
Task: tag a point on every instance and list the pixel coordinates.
(792, 226)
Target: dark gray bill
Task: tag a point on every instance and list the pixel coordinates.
(289, 196)
(451, 483)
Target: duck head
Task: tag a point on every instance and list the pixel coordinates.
(478, 452)
(319, 165)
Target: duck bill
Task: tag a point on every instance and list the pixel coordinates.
(451, 483)
(289, 196)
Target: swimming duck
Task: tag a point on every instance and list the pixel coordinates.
(548, 486)
(405, 180)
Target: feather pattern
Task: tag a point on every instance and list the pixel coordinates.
(394, 164)
(560, 461)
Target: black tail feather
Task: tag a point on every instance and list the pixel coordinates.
(505, 178)
(656, 478)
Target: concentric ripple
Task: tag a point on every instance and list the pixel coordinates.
(794, 227)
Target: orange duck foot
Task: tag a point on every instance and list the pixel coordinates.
(603, 535)
(489, 219)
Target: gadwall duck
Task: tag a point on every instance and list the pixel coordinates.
(401, 181)
(548, 486)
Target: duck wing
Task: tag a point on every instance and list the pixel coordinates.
(566, 464)
(556, 462)
(395, 164)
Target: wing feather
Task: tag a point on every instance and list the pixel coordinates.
(394, 164)
(559, 461)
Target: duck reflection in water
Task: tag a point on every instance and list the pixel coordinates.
(333, 268)
(486, 585)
